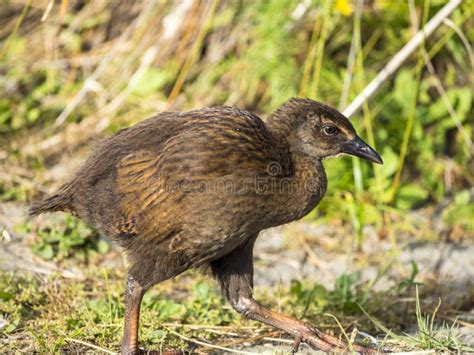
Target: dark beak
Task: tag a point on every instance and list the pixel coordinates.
(361, 149)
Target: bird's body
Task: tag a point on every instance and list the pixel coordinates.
(185, 190)
(188, 188)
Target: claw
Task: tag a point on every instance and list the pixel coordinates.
(329, 343)
(296, 345)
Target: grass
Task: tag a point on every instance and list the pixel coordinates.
(430, 336)
(430, 333)
(43, 314)
(60, 92)
(53, 314)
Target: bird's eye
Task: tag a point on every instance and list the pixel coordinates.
(329, 130)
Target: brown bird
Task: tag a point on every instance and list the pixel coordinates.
(194, 189)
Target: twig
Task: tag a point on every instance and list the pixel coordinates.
(47, 10)
(213, 327)
(211, 330)
(252, 339)
(89, 345)
(208, 344)
(399, 58)
(463, 38)
(279, 340)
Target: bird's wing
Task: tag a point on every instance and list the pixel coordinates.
(144, 195)
(154, 186)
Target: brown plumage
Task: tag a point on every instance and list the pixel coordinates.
(192, 189)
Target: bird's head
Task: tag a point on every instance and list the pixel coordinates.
(320, 131)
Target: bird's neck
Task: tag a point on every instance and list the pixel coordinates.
(308, 174)
(310, 181)
(283, 128)
(283, 125)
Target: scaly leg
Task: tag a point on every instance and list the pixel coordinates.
(133, 298)
(235, 274)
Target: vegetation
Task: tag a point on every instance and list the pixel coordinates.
(74, 71)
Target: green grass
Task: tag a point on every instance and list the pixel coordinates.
(51, 313)
(61, 238)
(48, 312)
(431, 334)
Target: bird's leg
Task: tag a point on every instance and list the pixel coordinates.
(307, 333)
(133, 297)
(235, 274)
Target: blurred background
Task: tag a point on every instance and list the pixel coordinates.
(72, 72)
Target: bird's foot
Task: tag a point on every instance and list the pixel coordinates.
(296, 345)
(319, 340)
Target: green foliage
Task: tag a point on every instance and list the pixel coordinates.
(257, 57)
(65, 238)
(461, 212)
(152, 81)
(431, 336)
(19, 300)
(315, 296)
(12, 190)
(344, 290)
(409, 281)
(26, 99)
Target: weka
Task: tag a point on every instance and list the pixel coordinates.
(192, 189)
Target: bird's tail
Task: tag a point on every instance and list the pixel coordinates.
(59, 201)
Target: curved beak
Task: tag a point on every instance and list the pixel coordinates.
(361, 149)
